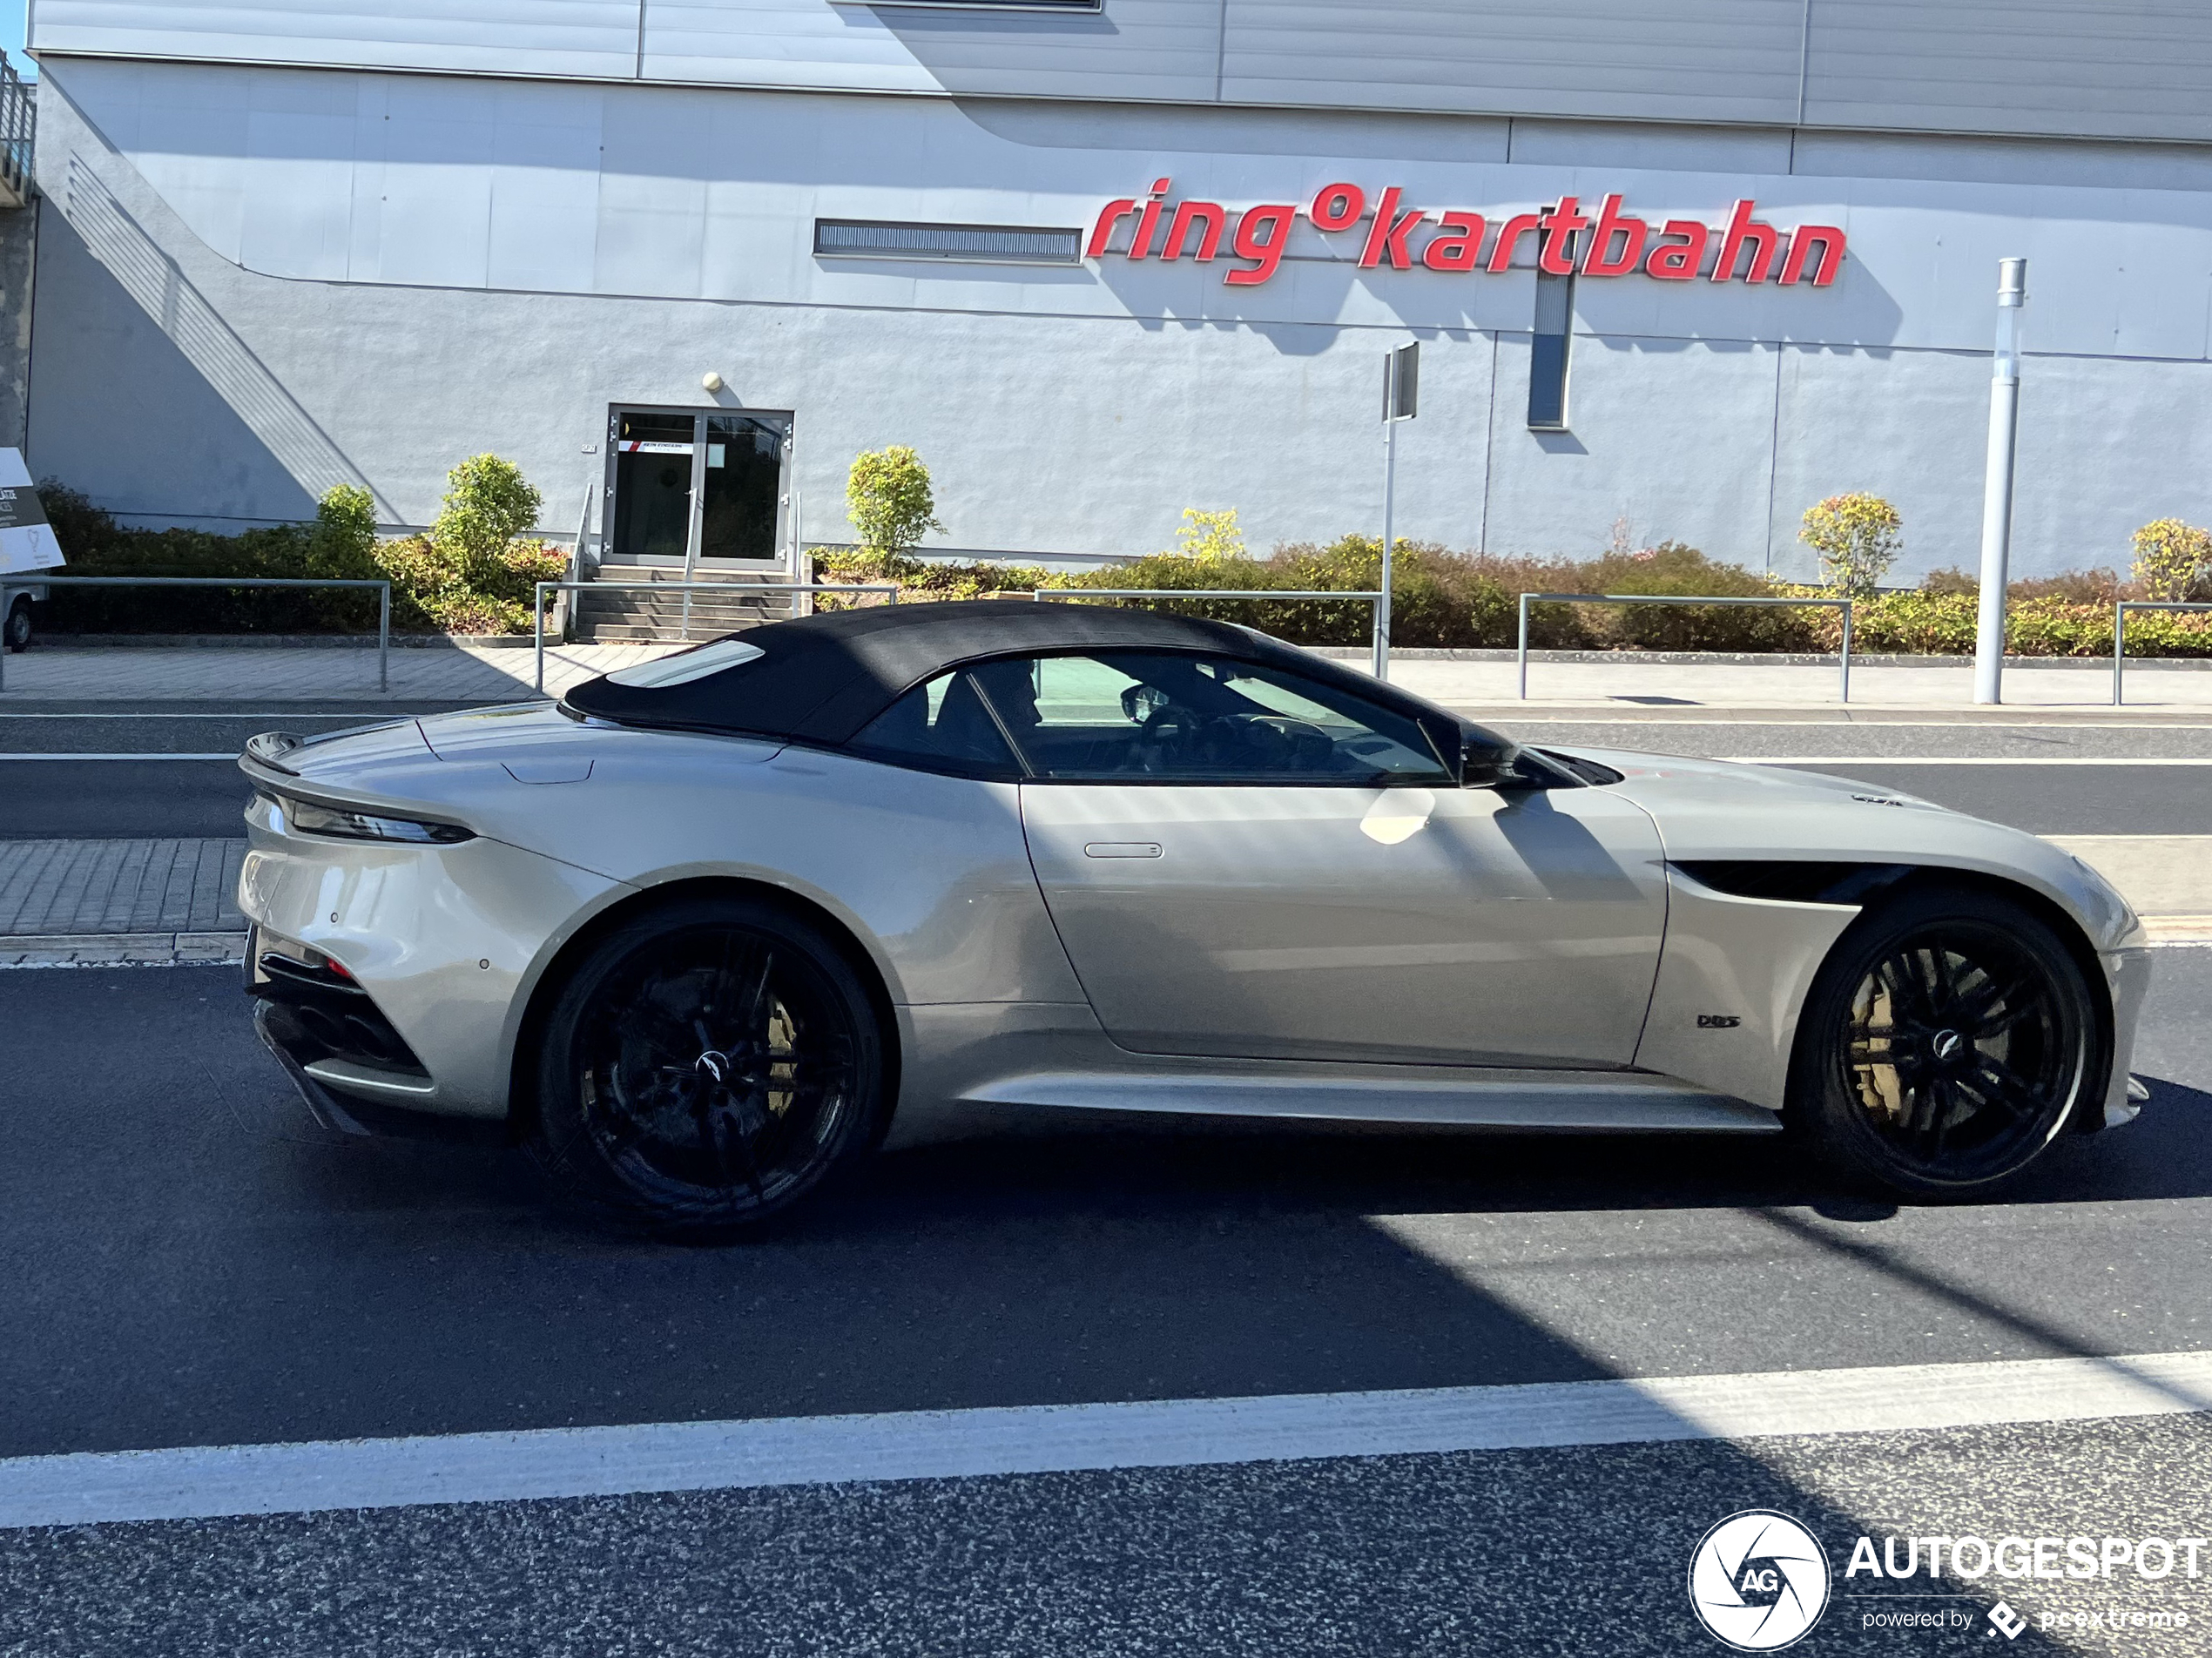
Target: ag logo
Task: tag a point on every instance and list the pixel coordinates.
(1758, 1580)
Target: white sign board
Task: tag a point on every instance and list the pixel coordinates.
(26, 539)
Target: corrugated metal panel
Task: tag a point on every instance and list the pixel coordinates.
(1683, 60)
(514, 37)
(2117, 68)
(1135, 49)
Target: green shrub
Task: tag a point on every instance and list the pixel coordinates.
(342, 544)
(1674, 568)
(488, 504)
(917, 578)
(1857, 536)
(476, 578)
(1211, 535)
(2174, 560)
(84, 529)
(888, 497)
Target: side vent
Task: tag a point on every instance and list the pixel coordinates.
(1791, 882)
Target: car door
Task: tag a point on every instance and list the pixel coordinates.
(1242, 863)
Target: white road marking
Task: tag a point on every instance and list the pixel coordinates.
(96, 1488)
(1938, 759)
(150, 754)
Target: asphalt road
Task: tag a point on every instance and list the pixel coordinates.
(109, 799)
(194, 1262)
(2123, 793)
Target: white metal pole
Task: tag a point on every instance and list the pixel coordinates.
(1389, 503)
(1997, 489)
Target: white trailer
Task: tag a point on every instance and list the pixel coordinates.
(28, 546)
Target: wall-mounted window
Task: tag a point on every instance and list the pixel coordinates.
(884, 238)
(1548, 352)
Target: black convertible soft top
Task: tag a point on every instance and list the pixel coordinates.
(820, 679)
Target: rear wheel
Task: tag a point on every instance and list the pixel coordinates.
(16, 632)
(710, 1069)
(1947, 1042)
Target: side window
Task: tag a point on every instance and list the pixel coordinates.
(1184, 717)
(942, 725)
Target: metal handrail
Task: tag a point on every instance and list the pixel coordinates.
(1526, 599)
(383, 607)
(2119, 608)
(1374, 601)
(18, 122)
(537, 611)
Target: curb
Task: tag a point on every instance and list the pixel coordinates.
(1748, 658)
(301, 641)
(121, 949)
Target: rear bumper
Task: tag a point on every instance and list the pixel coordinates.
(357, 1112)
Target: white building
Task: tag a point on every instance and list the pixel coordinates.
(285, 247)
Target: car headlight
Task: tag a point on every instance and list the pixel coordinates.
(310, 818)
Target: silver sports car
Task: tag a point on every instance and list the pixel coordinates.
(705, 932)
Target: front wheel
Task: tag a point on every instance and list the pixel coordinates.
(16, 633)
(709, 1069)
(1946, 1043)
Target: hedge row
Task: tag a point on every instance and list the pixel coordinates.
(435, 588)
(1442, 599)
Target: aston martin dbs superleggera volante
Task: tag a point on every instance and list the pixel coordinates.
(705, 931)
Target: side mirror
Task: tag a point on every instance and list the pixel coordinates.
(1485, 763)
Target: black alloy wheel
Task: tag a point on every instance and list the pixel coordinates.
(1949, 1040)
(709, 1069)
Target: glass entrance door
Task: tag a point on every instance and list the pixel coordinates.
(687, 484)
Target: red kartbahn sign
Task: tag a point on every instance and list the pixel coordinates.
(1401, 238)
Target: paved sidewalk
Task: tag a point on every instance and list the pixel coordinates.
(1740, 685)
(49, 887)
(483, 673)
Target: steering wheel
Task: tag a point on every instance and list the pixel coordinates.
(1167, 735)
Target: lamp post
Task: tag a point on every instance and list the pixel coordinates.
(1997, 487)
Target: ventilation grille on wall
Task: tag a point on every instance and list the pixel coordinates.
(986, 244)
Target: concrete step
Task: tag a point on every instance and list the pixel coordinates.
(631, 615)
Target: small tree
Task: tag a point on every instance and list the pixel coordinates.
(488, 504)
(1209, 537)
(888, 498)
(2174, 560)
(1858, 537)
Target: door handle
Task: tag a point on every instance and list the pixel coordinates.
(1122, 849)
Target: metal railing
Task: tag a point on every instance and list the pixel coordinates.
(33, 578)
(1374, 601)
(739, 589)
(19, 114)
(1527, 599)
(2119, 608)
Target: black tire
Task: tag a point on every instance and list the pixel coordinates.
(17, 627)
(709, 1069)
(1948, 1040)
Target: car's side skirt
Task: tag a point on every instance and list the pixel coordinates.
(1575, 1101)
(966, 1058)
